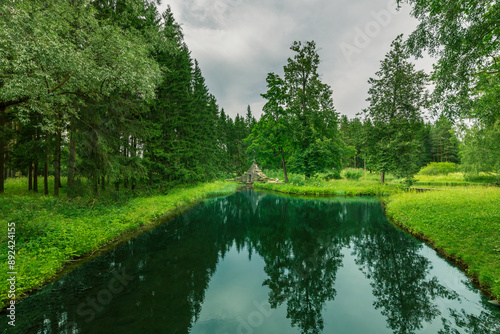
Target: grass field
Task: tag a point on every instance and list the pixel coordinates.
(464, 223)
(51, 232)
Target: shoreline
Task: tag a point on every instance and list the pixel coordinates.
(155, 221)
(385, 199)
(223, 189)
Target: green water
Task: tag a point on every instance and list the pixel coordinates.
(265, 264)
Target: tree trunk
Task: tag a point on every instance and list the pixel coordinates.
(30, 177)
(103, 183)
(72, 156)
(46, 169)
(57, 164)
(284, 165)
(3, 143)
(35, 176)
(382, 177)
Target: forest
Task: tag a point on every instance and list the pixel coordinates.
(110, 96)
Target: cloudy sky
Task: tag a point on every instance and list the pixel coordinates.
(237, 42)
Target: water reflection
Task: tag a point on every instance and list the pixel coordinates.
(400, 278)
(158, 282)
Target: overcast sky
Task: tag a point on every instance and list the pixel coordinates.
(237, 42)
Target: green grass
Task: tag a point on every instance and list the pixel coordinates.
(464, 222)
(332, 188)
(51, 232)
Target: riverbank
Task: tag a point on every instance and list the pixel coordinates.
(332, 188)
(51, 233)
(461, 223)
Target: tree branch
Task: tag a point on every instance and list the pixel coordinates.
(60, 84)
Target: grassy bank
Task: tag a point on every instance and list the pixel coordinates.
(51, 232)
(463, 223)
(366, 184)
(332, 188)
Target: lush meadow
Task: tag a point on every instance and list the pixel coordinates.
(462, 223)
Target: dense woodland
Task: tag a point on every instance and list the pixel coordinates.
(106, 93)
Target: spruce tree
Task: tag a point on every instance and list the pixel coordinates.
(396, 97)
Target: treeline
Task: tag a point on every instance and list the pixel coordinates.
(107, 92)
(301, 131)
(438, 142)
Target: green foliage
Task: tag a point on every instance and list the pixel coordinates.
(438, 168)
(331, 175)
(480, 151)
(299, 125)
(353, 173)
(444, 142)
(318, 186)
(462, 35)
(396, 97)
(463, 222)
(483, 178)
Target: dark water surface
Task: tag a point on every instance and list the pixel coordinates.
(265, 264)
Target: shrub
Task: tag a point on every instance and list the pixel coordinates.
(439, 168)
(353, 173)
(296, 179)
(331, 175)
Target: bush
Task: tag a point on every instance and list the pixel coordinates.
(296, 179)
(439, 168)
(353, 173)
(328, 175)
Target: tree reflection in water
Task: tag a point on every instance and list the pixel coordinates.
(302, 243)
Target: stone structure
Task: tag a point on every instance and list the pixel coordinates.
(254, 174)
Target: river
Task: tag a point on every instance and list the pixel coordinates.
(261, 263)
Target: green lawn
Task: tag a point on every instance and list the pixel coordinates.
(50, 232)
(464, 222)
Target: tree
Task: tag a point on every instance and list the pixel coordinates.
(444, 141)
(250, 120)
(396, 98)
(480, 151)
(463, 35)
(54, 54)
(301, 104)
(354, 138)
(270, 138)
(316, 139)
